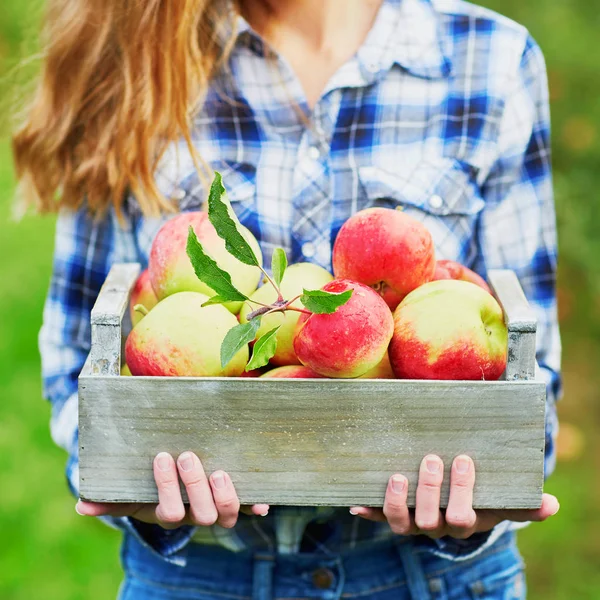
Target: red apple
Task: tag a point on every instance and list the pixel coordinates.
(449, 269)
(350, 341)
(386, 249)
(143, 294)
(449, 330)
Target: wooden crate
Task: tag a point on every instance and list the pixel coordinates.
(310, 442)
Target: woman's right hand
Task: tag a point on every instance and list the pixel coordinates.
(211, 499)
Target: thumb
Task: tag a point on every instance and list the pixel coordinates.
(550, 506)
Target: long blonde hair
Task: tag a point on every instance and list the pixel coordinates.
(118, 84)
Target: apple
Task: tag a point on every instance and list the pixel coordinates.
(381, 371)
(181, 338)
(449, 330)
(449, 269)
(296, 278)
(143, 294)
(385, 249)
(350, 341)
(292, 372)
(171, 270)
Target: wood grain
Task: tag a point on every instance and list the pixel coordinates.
(520, 321)
(311, 442)
(106, 318)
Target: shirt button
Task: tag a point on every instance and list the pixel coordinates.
(323, 579)
(308, 249)
(436, 201)
(314, 153)
(178, 194)
(372, 67)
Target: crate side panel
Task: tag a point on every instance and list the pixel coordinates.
(311, 442)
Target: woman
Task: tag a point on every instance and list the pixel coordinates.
(311, 110)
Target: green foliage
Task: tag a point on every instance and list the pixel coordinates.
(278, 265)
(264, 349)
(236, 338)
(56, 555)
(211, 274)
(320, 302)
(218, 213)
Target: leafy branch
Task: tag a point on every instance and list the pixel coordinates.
(207, 270)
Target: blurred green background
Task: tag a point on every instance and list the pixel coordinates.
(49, 552)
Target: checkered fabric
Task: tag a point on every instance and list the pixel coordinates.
(442, 111)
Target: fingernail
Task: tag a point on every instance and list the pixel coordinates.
(462, 465)
(218, 479)
(433, 465)
(557, 509)
(186, 461)
(77, 509)
(264, 514)
(398, 484)
(353, 512)
(163, 460)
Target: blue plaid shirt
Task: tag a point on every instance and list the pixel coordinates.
(443, 111)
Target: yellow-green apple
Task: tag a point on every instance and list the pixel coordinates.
(449, 269)
(143, 294)
(125, 372)
(292, 372)
(350, 341)
(296, 278)
(449, 330)
(171, 270)
(386, 249)
(381, 371)
(181, 338)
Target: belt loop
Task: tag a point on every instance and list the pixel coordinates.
(415, 575)
(262, 580)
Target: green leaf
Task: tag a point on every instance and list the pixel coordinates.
(237, 337)
(218, 214)
(264, 350)
(278, 265)
(324, 303)
(210, 273)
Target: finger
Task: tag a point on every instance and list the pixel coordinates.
(427, 510)
(226, 499)
(460, 516)
(550, 507)
(371, 514)
(260, 510)
(394, 506)
(202, 506)
(102, 509)
(170, 510)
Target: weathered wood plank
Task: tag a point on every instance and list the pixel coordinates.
(106, 318)
(311, 442)
(520, 321)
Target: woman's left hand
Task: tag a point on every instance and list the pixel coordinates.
(459, 520)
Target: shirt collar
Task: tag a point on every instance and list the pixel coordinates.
(405, 32)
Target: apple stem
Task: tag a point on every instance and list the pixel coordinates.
(279, 296)
(141, 309)
(300, 310)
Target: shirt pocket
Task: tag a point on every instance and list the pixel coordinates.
(441, 193)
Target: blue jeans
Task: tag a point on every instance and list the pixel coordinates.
(391, 570)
